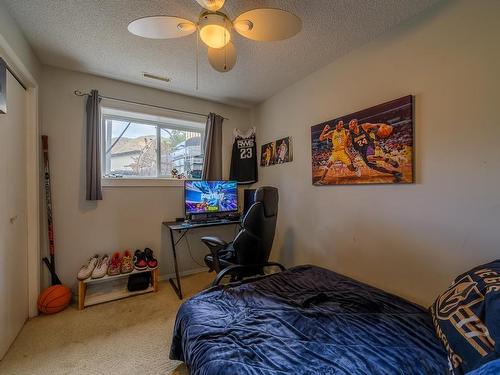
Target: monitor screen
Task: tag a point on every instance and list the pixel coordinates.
(204, 197)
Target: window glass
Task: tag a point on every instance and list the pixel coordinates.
(133, 149)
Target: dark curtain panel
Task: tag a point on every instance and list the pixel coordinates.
(212, 164)
(93, 166)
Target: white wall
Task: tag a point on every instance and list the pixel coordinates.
(127, 217)
(12, 36)
(408, 239)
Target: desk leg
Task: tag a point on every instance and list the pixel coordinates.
(177, 288)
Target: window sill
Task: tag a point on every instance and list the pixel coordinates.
(141, 182)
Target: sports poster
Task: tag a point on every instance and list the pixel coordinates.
(283, 150)
(372, 146)
(267, 154)
(276, 152)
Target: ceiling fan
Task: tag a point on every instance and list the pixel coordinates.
(214, 28)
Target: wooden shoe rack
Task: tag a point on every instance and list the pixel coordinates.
(110, 288)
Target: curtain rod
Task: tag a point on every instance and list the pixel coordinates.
(79, 93)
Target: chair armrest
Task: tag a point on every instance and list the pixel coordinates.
(240, 267)
(214, 241)
(215, 244)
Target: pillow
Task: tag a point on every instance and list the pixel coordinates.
(467, 318)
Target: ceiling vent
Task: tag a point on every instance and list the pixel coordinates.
(155, 77)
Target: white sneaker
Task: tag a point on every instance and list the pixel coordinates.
(101, 268)
(87, 270)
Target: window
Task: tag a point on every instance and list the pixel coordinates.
(137, 145)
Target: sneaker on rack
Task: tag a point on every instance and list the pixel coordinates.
(101, 268)
(86, 270)
(115, 264)
(150, 259)
(127, 266)
(140, 262)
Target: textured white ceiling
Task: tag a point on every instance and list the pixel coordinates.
(91, 36)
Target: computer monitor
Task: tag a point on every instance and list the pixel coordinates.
(210, 197)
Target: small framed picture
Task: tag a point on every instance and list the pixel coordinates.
(3, 87)
(283, 150)
(267, 154)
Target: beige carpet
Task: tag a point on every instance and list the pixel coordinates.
(129, 336)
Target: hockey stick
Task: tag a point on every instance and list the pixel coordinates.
(54, 280)
(51, 264)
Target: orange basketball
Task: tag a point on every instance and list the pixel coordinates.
(54, 299)
(384, 131)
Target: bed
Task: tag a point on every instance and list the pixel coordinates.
(305, 320)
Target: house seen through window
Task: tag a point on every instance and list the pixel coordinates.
(145, 146)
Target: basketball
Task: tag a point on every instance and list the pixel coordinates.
(384, 131)
(54, 299)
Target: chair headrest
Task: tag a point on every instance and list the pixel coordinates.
(269, 197)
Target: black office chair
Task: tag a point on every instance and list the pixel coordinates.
(248, 254)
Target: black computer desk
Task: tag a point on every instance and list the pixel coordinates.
(183, 228)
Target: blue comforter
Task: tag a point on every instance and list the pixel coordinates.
(490, 368)
(306, 320)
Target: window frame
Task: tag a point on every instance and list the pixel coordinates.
(162, 123)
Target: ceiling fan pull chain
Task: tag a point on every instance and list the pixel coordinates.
(197, 53)
(225, 47)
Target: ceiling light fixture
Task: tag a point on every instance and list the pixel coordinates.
(214, 29)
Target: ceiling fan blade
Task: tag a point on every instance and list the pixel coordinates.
(211, 5)
(267, 24)
(222, 59)
(161, 27)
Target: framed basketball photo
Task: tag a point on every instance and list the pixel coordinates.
(372, 146)
(267, 154)
(283, 150)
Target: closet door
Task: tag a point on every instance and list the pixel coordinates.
(13, 226)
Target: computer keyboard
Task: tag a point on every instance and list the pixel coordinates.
(209, 221)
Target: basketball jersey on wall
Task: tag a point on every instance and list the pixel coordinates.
(244, 157)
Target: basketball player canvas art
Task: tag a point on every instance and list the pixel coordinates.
(372, 146)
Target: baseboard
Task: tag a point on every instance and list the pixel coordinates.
(183, 273)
